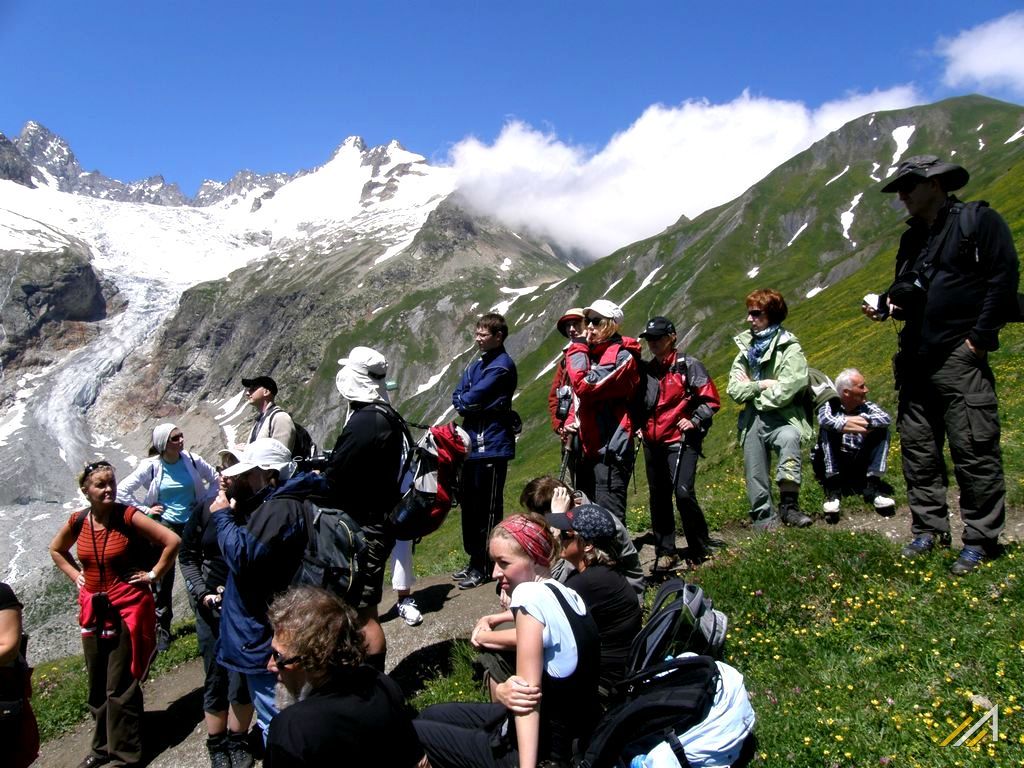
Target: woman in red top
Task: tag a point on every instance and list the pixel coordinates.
(116, 609)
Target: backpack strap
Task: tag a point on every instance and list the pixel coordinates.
(388, 411)
(78, 521)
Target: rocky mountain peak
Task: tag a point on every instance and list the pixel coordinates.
(49, 152)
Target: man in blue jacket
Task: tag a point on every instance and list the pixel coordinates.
(484, 400)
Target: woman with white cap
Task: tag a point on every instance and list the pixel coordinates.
(604, 372)
(177, 482)
(364, 475)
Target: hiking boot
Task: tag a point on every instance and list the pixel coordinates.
(766, 524)
(217, 746)
(94, 761)
(884, 505)
(973, 555)
(463, 572)
(239, 751)
(831, 509)
(712, 543)
(792, 516)
(664, 563)
(409, 611)
(473, 579)
(924, 543)
(163, 639)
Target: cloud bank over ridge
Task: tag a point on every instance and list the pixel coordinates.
(672, 160)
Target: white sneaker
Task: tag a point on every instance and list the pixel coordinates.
(409, 612)
(884, 505)
(830, 507)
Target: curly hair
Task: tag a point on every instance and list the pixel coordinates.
(597, 555)
(318, 626)
(771, 302)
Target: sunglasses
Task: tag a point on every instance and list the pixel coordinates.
(594, 320)
(280, 661)
(755, 312)
(90, 468)
(566, 535)
(177, 438)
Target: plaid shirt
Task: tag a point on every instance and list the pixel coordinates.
(833, 418)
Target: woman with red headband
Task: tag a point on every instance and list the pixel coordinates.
(552, 698)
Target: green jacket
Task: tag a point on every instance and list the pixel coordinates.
(781, 403)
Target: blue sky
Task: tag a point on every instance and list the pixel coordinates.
(198, 90)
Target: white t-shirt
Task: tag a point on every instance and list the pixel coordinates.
(538, 601)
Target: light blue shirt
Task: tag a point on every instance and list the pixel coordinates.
(177, 491)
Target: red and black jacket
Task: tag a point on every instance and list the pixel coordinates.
(685, 389)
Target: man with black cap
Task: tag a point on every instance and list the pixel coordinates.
(672, 437)
(561, 402)
(271, 420)
(956, 283)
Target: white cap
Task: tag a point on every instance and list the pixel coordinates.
(265, 453)
(606, 308)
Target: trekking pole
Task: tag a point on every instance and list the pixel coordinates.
(566, 450)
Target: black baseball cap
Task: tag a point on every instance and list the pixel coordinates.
(657, 327)
(261, 381)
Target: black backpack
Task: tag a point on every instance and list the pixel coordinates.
(645, 397)
(655, 704)
(681, 619)
(335, 554)
(967, 221)
(303, 445)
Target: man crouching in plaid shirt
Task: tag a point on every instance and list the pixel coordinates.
(850, 454)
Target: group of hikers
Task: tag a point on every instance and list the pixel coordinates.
(309, 665)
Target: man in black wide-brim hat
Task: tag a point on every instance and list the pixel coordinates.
(956, 285)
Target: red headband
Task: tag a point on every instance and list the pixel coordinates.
(530, 537)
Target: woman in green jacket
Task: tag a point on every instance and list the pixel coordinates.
(767, 377)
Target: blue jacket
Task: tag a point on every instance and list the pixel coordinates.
(262, 551)
(483, 399)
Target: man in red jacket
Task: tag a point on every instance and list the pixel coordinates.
(603, 370)
(673, 435)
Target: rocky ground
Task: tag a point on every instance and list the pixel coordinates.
(174, 730)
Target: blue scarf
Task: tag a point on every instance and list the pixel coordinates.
(759, 345)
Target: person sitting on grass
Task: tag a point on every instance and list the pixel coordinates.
(334, 708)
(551, 701)
(850, 454)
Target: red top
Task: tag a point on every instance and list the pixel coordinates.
(104, 553)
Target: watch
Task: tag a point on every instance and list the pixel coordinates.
(151, 576)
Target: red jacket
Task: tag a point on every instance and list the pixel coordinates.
(603, 379)
(684, 389)
(559, 380)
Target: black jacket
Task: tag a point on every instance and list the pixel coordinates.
(971, 290)
(366, 461)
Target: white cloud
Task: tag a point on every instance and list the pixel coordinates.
(672, 160)
(987, 56)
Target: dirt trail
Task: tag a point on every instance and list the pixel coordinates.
(174, 732)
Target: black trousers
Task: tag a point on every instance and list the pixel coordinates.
(605, 483)
(465, 736)
(163, 590)
(955, 402)
(482, 500)
(671, 474)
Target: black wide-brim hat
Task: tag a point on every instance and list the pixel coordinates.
(928, 166)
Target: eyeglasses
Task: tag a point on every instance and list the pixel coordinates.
(755, 312)
(179, 438)
(909, 184)
(592, 320)
(280, 661)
